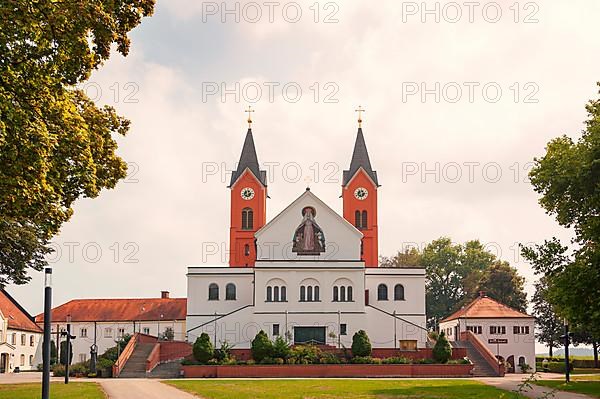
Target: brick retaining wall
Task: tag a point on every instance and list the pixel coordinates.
(329, 370)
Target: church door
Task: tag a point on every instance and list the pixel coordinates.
(309, 335)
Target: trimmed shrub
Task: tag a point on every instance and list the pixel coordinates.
(281, 349)
(361, 345)
(397, 360)
(262, 347)
(442, 351)
(203, 349)
(362, 360)
(305, 354)
(558, 367)
(223, 354)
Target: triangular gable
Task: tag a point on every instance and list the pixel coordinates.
(308, 193)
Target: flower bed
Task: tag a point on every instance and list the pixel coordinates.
(327, 370)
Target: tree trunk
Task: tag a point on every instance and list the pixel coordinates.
(550, 351)
(595, 345)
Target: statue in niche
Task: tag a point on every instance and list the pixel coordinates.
(309, 239)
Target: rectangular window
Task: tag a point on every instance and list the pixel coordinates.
(23, 339)
(22, 360)
(275, 329)
(146, 330)
(108, 333)
(83, 333)
(121, 332)
(497, 330)
(521, 330)
(343, 329)
(475, 329)
(82, 357)
(13, 339)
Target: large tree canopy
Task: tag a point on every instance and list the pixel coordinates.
(56, 145)
(457, 272)
(568, 179)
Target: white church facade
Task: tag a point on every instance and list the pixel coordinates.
(309, 274)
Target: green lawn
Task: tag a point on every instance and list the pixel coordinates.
(585, 385)
(340, 388)
(75, 390)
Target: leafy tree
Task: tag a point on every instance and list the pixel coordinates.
(63, 352)
(567, 178)
(444, 289)
(549, 326)
(410, 257)
(361, 345)
(457, 272)
(261, 347)
(203, 349)
(582, 335)
(503, 283)
(56, 145)
(442, 351)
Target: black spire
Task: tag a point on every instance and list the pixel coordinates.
(248, 159)
(360, 158)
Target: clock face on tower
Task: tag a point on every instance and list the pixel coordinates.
(247, 193)
(361, 193)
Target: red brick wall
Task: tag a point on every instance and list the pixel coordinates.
(174, 350)
(330, 370)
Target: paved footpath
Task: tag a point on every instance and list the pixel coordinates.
(511, 383)
(121, 388)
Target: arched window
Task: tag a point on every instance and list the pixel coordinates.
(213, 292)
(398, 292)
(309, 293)
(31, 360)
(316, 293)
(336, 296)
(246, 250)
(230, 292)
(247, 219)
(276, 294)
(302, 293)
(382, 292)
(22, 360)
(269, 294)
(283, 294)
(357, 219)
(349, 294)
(521, 360)
(343, 293)
(31, 340)
(364, 220)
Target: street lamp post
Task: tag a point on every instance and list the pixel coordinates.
(47, 332)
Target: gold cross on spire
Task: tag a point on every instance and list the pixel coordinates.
(249, 110)
(360, 110)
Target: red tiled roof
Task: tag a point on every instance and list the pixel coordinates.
(119, 310)
(18, 318)
(486, 308)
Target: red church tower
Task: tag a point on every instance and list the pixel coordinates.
(248, 188)
(359, 193)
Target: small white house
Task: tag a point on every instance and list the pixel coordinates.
(507, 333)
(104, 321)
(20, 337)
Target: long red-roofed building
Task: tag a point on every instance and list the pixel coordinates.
(104, 321)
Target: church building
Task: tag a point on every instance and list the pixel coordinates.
(310, 274)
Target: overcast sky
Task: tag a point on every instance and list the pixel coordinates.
(456, 111)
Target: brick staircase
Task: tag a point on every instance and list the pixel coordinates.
(136, 365)
(481, 368)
